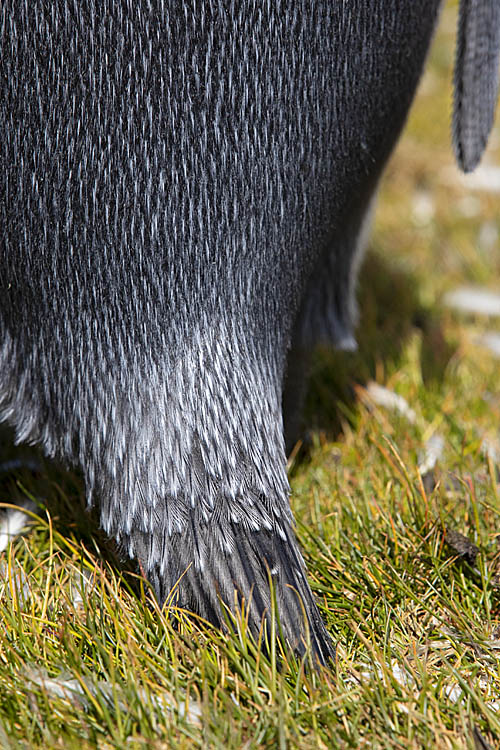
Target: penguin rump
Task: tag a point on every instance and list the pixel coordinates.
(183, 192)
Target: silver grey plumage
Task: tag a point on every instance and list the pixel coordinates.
(183, 187)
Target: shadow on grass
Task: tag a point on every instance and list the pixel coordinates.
(25, 474)
(390, 314)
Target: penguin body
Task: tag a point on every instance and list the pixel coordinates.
(183, 192)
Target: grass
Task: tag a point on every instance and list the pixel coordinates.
(417, 624)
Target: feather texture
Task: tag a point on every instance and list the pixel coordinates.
(476, 79)
(244, 566)
(184, 191)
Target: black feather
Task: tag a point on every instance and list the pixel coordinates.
(256, 558)
(476, 79)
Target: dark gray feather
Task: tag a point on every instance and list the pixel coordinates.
(476, 79)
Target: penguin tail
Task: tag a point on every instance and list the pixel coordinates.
(256, 578)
